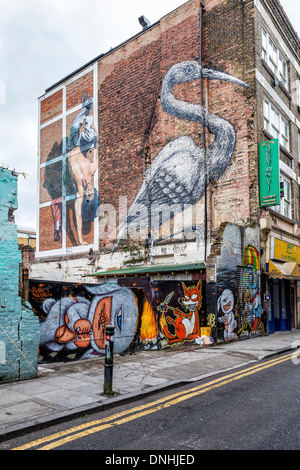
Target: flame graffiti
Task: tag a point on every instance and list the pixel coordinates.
(148, 326)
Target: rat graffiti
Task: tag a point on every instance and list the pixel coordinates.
(77, 324)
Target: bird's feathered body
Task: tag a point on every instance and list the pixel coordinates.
(176, 177)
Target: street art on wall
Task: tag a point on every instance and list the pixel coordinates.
(82, 164)
(181, 310)
(176, 178)
(239, 304)
(250, 292)
(185, 324)
(226, 309)
(73, 318)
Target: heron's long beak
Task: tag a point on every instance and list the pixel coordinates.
(215, 74)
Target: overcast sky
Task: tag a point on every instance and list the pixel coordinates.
(42, 41)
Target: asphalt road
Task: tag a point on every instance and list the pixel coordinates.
(254, 408)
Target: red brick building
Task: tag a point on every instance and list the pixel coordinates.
(132, 126)
(148, 158)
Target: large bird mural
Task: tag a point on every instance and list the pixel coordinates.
(177, 175)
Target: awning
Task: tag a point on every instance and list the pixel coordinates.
(286, 270)
(148, 270)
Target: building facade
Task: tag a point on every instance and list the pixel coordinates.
(149, 171)
(277, 92)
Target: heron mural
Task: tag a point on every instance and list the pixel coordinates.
(176, 177)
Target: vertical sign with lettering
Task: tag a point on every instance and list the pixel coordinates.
(269, 186)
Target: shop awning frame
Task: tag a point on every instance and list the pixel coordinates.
(148, 270)
(284, 270)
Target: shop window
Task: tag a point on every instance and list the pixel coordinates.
(285, 206)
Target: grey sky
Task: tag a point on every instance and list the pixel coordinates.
(42, 41)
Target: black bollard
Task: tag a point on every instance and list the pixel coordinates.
(109, 359)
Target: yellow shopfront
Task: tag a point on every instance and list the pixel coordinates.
(283, 276)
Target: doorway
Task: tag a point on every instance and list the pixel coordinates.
(279, 318)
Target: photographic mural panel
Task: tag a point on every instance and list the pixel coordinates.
(239, 309)
(68, 181)
(170, 312)
(82, 166)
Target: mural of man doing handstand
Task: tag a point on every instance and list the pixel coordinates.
(82, 163)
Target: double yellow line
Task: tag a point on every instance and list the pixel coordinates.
(63, 437)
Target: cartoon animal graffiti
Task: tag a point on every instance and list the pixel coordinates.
(226, 305)
(176, 176)
(186, 324)
(113, 305)
(65, 326)
(250, 289)
(257, 311)
(76, 323)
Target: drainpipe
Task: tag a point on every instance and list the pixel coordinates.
(202, 10)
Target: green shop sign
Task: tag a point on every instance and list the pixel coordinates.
(269, 186)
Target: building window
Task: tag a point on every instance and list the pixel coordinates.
(298, 147)
(285, 206)
(275, 124)
(264, 45)
(274, 59)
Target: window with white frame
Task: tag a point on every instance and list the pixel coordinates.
(264, 45)
(276, 124)
(285, 206)
(274, 58)
(298, 147)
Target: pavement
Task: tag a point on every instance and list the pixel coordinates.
(63, 391)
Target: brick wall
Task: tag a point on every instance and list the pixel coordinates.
(58, 230)
(75, 88)
(132, 125)
(229, 33)
(51, 141)
(51, 106)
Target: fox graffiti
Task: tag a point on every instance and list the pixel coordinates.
(176, 324)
